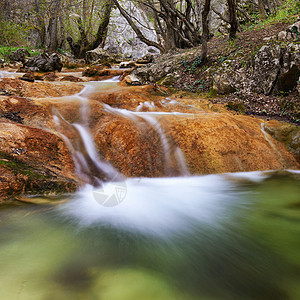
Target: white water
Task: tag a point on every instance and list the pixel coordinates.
(272, 145)
(159, 207)
(6, 74)
(168, 145)
(85, 154)
(92, 152)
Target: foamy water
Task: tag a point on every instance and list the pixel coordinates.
(159, 206)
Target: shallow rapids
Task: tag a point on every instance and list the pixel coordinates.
(231, 236)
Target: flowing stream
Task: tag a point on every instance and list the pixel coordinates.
(214, 237)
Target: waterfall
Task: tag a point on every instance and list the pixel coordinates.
(272, 145)
(94, 170)
(90, 167)
(169, 147)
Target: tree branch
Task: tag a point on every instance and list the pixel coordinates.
(136, 29)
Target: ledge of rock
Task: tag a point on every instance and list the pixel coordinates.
(33, 161)
(12, 86)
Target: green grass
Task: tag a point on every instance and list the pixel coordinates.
(288, 12)
(5, 51)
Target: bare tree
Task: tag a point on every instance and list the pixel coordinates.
(232, 18)
(83, 45)
(205, 30)
(261, 9)
(52, 32)
(176, 23)
(40, 22)
(136, 29)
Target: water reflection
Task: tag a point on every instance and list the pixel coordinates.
(212, 237)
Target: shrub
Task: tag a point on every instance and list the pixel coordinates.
(12, 34)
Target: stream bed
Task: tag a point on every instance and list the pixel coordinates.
(229, 236)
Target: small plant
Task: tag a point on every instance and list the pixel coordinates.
(236, 106)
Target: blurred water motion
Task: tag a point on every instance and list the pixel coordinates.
(233, 236)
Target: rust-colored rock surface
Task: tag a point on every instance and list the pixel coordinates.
(211, 143)
(12, 86)
(33, 161)
(211, 139)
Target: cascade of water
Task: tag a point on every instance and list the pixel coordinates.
(169, 148)
(89, 166)
(267, 137)
(6, 74)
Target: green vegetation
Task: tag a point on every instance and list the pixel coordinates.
(12, 34)
(5, 51)
(236, 106)
(288, 12)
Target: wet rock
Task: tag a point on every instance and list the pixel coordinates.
(72, 78)
(131, 79)
(211, 143)
(13, 116)
(35, 76)
(44, 62)
(99, 56)
(19, 55)
(33, 161)
(287, 134)
(127, 64)
(94, 71)
(50, 77)
(27, 79)
(28, 76)
(100, 73)
(11, 86)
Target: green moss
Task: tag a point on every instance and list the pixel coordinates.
(159, 82)
(212, 93)
(16, 167)
(236, 106)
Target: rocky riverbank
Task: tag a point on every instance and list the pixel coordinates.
(260, 70)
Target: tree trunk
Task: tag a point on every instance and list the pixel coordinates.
(6, 9)
(136, 29)
(205, 30)
(270, 8)
(232, 18)
(261, 9)
(103, 26)
(52, 27)
(41, 27)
